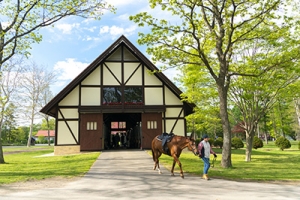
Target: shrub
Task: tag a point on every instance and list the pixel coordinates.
(237, 143)
(219, 142)
(283, 143)
(257, 143)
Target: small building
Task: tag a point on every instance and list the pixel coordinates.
(116, 93)
(44, 133)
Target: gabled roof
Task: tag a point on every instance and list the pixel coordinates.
(51, 107)
(45, 133)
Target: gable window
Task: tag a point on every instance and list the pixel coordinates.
(112, 95)
(132, 95)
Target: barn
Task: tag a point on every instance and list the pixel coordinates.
(116, 94)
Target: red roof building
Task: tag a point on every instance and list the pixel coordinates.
(44, 133)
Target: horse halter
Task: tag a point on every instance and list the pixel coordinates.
(194, 149)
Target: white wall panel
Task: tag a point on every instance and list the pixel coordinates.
(173, 112)
(108, 78)
(68, 113)
(93, 78)
(136, 78)
(90, 96)
(151, 79)
(64, 135)
(72, 99)
(178, 129)
(171, 99)
(153, 96)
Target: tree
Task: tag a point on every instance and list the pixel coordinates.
(9, 77)
(198, 88)
(208, 34)
(35, 82)
(23, 20)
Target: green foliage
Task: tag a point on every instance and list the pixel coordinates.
(211, 141)
(219, 142)
(237, 143)
(299, 145)
(283, 143)
(257, 143)
(198, 140)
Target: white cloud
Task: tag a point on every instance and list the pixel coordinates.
(67, 28)
(104, 29)
(117, 31)
(69, 69)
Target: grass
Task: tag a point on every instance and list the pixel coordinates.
(24, 166)
(267, 164)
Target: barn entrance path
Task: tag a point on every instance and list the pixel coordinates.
(128, 175)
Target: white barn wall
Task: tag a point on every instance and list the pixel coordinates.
(93, 78)
(72, 99)
(90, 96)
(153, 96)
(68, 113)
(65, 136)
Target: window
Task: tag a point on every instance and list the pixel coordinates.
(91, 126)
(118, 125)
(112, 95)
(151, 124)
(133, 96)
(122, 95)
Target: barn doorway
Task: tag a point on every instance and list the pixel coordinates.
(122, 131)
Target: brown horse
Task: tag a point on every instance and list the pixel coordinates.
(175, 146)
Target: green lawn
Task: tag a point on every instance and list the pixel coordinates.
(25, 166)
(267, 164)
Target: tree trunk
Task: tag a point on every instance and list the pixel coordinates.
(1, 153)
(250, 132)
(249, 143)
(297, 108)
(226, 152)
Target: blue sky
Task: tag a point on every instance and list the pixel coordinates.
(73, 43)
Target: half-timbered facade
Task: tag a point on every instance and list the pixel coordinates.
(116, 93)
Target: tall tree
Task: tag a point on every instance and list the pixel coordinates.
(207, 33)
(255, 96)
(21, 20)
(35, 82)
(9, 84)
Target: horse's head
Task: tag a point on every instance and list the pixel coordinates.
(192, 146)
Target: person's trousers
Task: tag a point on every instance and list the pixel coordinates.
(206, 165)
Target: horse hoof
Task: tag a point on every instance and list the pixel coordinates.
(160, 172)
(172, 175)
(182, 177)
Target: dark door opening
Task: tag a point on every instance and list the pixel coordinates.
(122, 130)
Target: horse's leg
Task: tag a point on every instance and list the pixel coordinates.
(157, 162)
(179, 164)
(172, 170)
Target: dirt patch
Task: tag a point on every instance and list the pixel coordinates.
(55, 182)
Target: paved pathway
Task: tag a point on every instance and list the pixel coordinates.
(129, 175)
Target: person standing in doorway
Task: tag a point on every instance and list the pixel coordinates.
(205, 150)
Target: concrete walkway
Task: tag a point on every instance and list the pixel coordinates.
(129, 175)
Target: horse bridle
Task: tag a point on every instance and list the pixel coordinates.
(193, 149)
